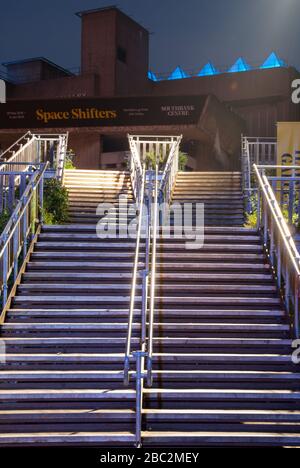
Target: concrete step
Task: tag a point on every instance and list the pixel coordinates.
(219, 439)
(80, 439)
(236, 289)
(194, 278)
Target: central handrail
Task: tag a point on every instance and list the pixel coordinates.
(135, 168)
(170, 171)
(153, 279)
(149, 189)
(279, 243)
(134, 281)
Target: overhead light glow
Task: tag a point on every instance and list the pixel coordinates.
(273, 61)
(152, 76)
(239, 66)
(208, 70)
(177, 74)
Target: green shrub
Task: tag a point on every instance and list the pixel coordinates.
(151, 159)
(4, 218)
(251, 220)
(182, 160)
(56, 202)
(69, 160)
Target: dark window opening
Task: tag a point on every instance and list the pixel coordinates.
(122, 54)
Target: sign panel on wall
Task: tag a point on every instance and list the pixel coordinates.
(177, 110)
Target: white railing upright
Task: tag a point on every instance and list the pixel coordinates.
(259, 151)
(279, 244)
(20, 230)
(35, 148)
(170, 171)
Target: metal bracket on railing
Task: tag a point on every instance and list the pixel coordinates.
(140, 375)
(126, 370)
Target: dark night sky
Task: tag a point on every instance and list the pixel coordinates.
(186, 33)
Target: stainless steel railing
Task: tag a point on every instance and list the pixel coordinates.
(279, 243)
(259, 151)
(154, 213)
(20, 230)
(134, 282)
(135, 169)
(35, 148)
(170, 171)
(149, 190)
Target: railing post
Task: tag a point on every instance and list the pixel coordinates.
(41, 200)
(258, 218)
(15, 250)
(287, 286)
(265, 222)
(11, 191)
(25, 225)
(296, 307)
(139, 383)
(5, 272)
(279, 260)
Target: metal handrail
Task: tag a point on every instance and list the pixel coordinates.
(170, 171)
(134, 281)
(246, 175)
(20, 230)
(136, 169)
(279, 243)
(16, 143)
(32, 148)
(153, 280)
(61, 156)
(33, 172)
(151, 194)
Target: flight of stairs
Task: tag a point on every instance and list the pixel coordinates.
(222, 374)
(220, 192)
(62, 383)
(87, 188)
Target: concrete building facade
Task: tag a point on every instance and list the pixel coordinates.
(115, 64)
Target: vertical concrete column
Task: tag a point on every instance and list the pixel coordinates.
(87, 148)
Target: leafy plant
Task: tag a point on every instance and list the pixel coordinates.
(182, 160)
(56, 202)
(151, 159)
(4, 218)
(69, 160)
(251, 220)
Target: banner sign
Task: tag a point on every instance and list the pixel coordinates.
(177, 110)
(288, 143)
(288, 154)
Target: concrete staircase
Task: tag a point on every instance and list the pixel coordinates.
(89, 188)
(62, 383)
(221, 193)
(223, 373)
